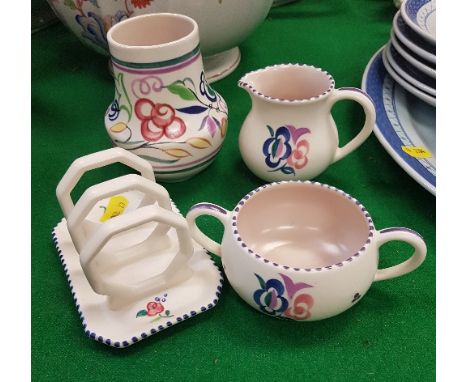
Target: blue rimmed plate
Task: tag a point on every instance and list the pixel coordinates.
(420, 16)
(412, 40)
(405, 125)
(405, 84)
(417, 62)
(410, 73)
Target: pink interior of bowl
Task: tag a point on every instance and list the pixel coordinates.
(290, 82)
(302, 225)
(151, 30)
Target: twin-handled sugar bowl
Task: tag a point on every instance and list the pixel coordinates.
(302, 250)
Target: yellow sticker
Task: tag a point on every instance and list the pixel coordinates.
(417, 152)
(115, 207)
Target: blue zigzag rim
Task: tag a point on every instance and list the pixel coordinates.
(143, 335)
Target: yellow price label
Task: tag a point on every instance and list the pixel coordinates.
(115, 207)
(417, 152)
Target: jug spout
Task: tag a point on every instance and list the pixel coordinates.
(246, 84)
(252, 84)
(288, 84)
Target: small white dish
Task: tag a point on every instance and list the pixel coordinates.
(131, 264)
(420, 15)
(409, 72)
(402, 120)
(405, 84)
(412, 40)
(412, 59)
(149, 315)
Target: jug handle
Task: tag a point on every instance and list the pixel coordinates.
(211, 210)
(153, 192)
(408, 236)
(358, 95)
(93, 161)
(129, 221)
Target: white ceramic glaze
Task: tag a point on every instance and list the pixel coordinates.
(91, 162)
(302, 250)
(164, 110)
(289, 133)
(147, 315)
(124, 260)
(107, 245)
(223, 24)
(130, 240)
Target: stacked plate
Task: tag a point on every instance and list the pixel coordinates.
(410, 55)
(401, 80)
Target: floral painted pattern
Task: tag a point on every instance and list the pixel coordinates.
(161, 117)
(155, 309)
(141, 3)
(270, 297)
(95, 26)
(281, 298)
(160, 121)
(284, 150)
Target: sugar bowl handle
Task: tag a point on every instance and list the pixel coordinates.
(408, 236)
(94, 161)
(211, 210)
(365, 101)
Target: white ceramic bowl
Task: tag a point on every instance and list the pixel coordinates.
(224, 24)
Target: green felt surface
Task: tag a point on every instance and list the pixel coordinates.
(388, 335)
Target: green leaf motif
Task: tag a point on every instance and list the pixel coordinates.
(142, 313)
(261, 281)
(270, 130)
(182, 92)
(168, 312)
(287, 170)
(268, 299)
(70, 4)
(274, 149)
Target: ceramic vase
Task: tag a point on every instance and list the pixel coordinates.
(164, 110)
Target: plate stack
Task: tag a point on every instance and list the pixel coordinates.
(401, 80)
(410, 55)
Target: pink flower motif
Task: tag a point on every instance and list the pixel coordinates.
(141, 3)
(154, 308)
(298, 158)
(158, 120)
(301, 307)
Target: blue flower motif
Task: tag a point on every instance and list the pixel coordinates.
(277, 148)
(205, 88)
(119, 16)
(270, 297)
(114, 111)
(93, 29)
